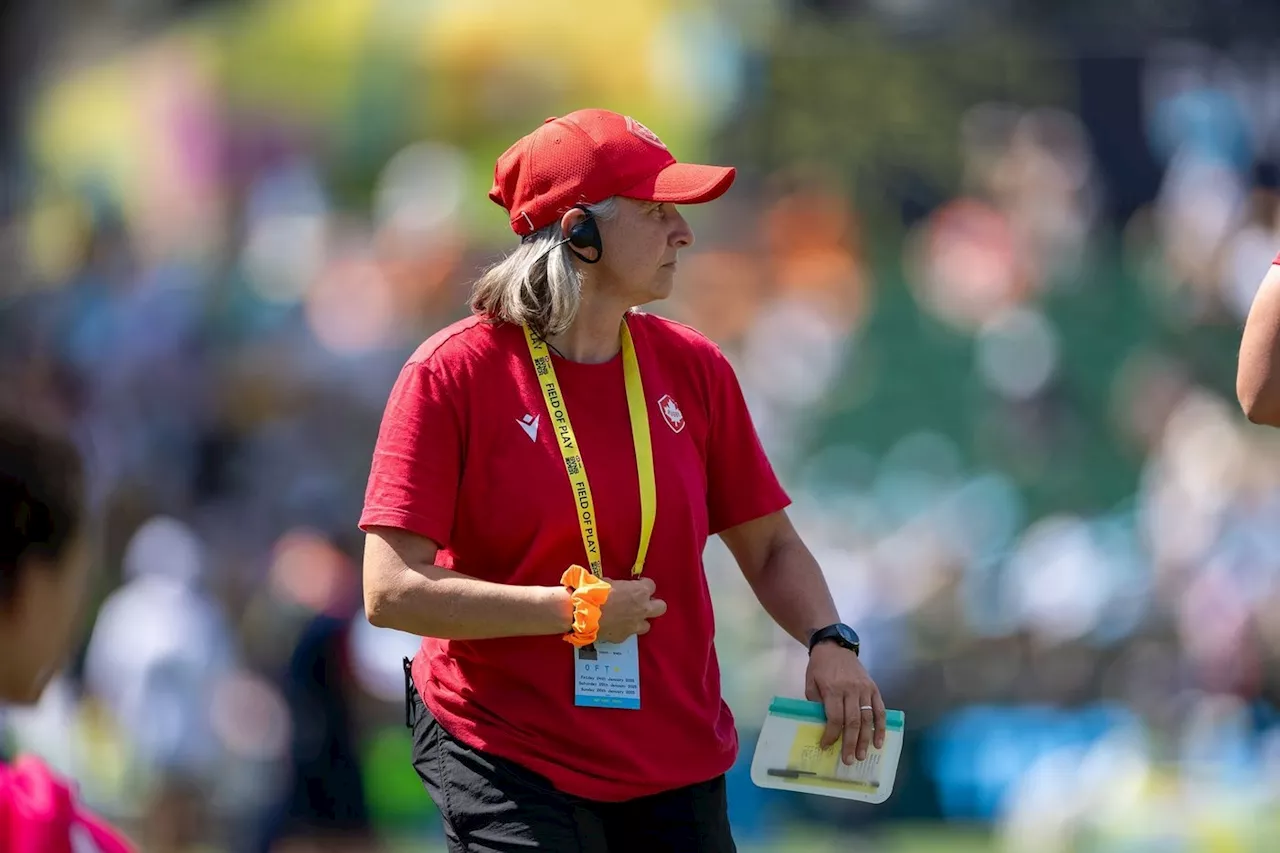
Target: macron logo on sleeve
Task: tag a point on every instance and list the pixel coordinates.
(529, 423)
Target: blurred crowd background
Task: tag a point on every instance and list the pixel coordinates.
(982, 276)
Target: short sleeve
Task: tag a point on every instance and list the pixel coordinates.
(90, 834)
(414, 476)
(741, 483)
(1276, 261)
(39, 810)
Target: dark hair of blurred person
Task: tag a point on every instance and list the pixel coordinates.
(44, 575)
(43, 566)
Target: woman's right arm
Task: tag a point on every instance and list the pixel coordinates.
(405, 590)
(413, 483)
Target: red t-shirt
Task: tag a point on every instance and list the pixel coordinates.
(466, 456)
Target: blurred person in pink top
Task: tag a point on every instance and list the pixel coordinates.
(44, 574)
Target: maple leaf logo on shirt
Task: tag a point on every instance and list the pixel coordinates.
(671, 413)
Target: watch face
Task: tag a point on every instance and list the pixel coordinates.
(842, 634)
(848, 635)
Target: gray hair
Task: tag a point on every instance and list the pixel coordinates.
(537, 284)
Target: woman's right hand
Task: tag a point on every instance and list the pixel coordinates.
(628, 610)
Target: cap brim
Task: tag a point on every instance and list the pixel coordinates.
(684, 183)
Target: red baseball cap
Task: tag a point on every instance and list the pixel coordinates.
(588, 156)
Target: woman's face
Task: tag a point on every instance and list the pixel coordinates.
(41, 621)
(640, 246)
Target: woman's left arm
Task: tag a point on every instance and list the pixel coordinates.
(790, 586)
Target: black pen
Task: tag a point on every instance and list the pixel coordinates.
(787, 773)
(808, 775)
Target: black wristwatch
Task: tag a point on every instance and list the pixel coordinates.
(841, 633)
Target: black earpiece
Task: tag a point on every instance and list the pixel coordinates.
(585, 235)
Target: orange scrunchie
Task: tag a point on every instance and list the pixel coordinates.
(589, 593)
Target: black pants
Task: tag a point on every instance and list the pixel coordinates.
(491, 805)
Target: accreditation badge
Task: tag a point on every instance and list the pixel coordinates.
(607, 675)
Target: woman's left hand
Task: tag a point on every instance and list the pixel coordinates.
(836, 678)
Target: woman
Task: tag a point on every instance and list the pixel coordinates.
(43, 579)
(544, 482)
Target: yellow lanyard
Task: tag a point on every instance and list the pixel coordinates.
(573, 462)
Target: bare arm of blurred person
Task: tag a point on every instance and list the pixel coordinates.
(405, 590)
(1258, 370)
